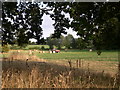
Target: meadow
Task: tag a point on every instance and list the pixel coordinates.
(105, 56)
(69, 54)
(71, 69)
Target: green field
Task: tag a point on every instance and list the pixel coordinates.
(72, 55)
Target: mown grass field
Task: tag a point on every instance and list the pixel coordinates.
(76, 54)
(72, 55)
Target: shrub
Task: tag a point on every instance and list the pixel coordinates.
(42, 48)
(5, 48)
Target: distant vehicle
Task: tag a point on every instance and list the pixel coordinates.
(55, 51)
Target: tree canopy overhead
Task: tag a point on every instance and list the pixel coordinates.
(97, 21)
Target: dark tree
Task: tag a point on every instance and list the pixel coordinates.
(58, 15)
(34, 20)
(8, 31)
(98, 22)
(21, 22)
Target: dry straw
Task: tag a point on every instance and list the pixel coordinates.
(46, 75)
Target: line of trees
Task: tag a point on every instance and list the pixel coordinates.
(68, 42)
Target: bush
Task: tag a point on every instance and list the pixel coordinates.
(5, 48)
(42, 48)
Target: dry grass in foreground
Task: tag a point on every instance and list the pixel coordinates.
(20, 73)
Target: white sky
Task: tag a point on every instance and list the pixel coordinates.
(49, 29)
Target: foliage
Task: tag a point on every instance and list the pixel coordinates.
(50, 42)
(69, 42)
(25, 20)
(61, 22)
(96, 21)
(81, 44)
(34, 18)
(7, 27)
(5, 48)
(42, 48)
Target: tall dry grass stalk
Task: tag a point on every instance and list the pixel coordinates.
(36, 78)
(78, 63)
(47, 75)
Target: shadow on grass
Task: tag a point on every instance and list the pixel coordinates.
(79, 75)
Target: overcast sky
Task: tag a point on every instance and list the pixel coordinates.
(49, 29)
